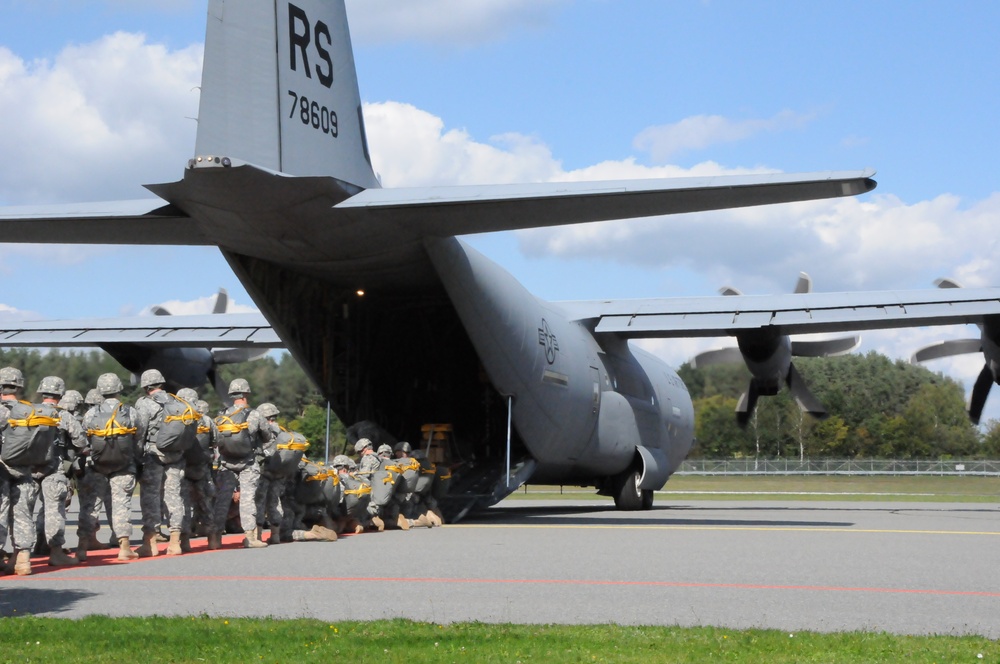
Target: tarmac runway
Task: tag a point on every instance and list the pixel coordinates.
(907, 568)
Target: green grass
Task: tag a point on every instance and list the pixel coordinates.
(102, 639)
(915, 488)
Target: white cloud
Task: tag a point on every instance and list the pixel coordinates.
(97, 121)
(457, 22)
(701, 131)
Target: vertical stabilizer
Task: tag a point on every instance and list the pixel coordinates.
(279, 89)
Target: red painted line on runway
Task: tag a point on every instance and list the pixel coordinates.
(565, 582)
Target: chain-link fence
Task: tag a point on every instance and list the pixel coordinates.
(838, 467)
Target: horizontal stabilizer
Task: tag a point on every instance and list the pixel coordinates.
(148, 221)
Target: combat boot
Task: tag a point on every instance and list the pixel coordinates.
(378, 523)
(402, 522)
(149, 548)
(81, 551)
(253, 541)
(125, 552)
(323, 533)
(22, 562)
(161, 536)
(422, 522)
(94, 544)
(433, 518)
(186, 543)
(58, 557)
(174, 547)
(275, 537)
(214, 541)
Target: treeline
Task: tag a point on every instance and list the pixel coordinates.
(279, 380)
(878, 408)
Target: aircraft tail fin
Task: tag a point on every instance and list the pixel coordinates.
(280, 91)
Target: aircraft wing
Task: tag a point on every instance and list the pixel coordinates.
(205, 331)
(148, 221)
(793, 313)
(459, 210)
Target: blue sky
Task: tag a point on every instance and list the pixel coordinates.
(96, 98)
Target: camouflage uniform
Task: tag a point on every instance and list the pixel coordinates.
(162, 473)
(27, 481)
(270, 489)
(93, 489)
(120, 484)
(243, 474)
(199, 485)
(5, 479)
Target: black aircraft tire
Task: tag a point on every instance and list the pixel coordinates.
(628, 496)
(647, 499)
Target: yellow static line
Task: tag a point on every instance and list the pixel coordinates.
(765, 528)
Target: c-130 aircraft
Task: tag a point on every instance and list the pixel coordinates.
(551, 392)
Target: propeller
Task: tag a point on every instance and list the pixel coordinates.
(988, 344)
(768, 355)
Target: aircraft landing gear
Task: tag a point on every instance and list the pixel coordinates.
(628, 495)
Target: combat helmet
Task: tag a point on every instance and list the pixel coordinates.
(109, 384)
(151, 377)
(362, 444)
(384, 449)
(267, 410)
(404, 447)
(53, 385)
(188, 394)
(239, 386)
(93, 397)
(341, 461)
(71, 400)
(11, 377)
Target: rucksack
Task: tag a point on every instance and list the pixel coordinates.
(290, 447)
(357, 495)
(199, 455)
(316, 484)
(31, 434)
(178, 424)
(234, 437)
(111, 433)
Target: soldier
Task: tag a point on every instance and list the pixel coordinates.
(115, 431)
(101, 500)
(163, 462)
(35, 441)
(271, 486)
(198, 485)
(356, 495)
(410, 503)
(242, 433)
(11, 385)
(369, 463)
(54, 479)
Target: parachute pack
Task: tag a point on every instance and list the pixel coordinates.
(199, 455)
(317, 485)
(357, 495)
(290, 446)
(235, 443)
(179, 424)
(31, 434)
(111, 433)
